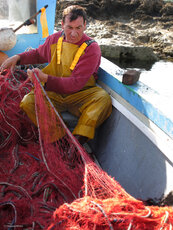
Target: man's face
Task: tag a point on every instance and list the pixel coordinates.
(73, 30)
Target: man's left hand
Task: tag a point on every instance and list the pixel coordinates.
(42, 76)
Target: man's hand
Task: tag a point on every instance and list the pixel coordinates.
(10, 63)
(42, 76)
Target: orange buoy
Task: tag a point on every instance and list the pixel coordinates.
(3, 57)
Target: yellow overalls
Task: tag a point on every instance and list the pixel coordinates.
(92, 104)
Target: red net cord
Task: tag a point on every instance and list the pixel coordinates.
(48, 181)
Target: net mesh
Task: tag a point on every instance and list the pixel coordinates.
(48, 181)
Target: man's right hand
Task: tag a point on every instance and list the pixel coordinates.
(10, 63)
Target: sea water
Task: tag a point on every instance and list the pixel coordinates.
(159, 77)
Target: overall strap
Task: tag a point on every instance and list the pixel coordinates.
(59, 47)
(79, 53)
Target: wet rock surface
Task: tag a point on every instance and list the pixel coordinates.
(128, 29)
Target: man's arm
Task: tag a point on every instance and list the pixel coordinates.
(40, 55)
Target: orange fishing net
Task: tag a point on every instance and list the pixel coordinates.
(48, 181)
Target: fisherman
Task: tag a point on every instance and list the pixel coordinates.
(70, 77)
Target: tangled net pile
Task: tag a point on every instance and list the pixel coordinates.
(48, 181)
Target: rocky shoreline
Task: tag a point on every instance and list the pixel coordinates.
(140, 30)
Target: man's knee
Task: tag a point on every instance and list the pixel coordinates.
(104, 97)
(28, 104)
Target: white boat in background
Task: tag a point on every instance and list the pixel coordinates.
(134, 145)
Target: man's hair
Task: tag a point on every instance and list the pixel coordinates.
(74, 12)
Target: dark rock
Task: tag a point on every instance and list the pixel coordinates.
(130, 77)
(167, 10)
